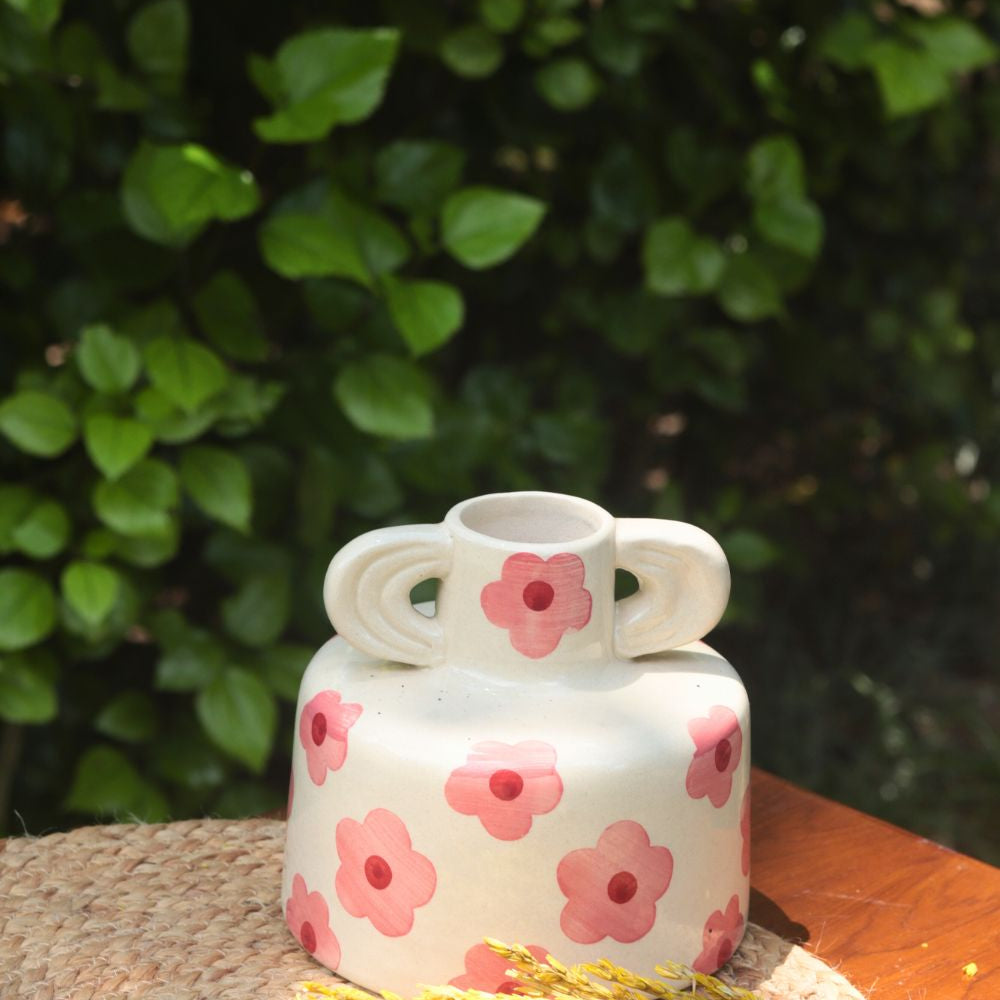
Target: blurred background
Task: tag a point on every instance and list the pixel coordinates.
(274, 279)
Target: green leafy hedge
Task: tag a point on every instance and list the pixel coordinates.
(276, 278)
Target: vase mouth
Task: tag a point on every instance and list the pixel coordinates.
(530, 518)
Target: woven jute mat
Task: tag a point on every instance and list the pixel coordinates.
(186, 911)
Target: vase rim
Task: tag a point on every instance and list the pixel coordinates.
(529, 517)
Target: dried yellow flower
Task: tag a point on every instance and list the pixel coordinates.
(551, 980)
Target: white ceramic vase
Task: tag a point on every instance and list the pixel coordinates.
(530, 761)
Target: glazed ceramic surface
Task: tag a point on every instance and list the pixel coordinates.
(530, 760)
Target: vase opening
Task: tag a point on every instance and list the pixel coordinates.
(534, 518)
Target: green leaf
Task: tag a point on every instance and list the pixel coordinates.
(283, 666)
(108, 363)
(185, 757)
(299, 246)
(117, 92)
(246, 403)
(613, 44)
(186, 372)
(846, 41)
(953, 44)
(375, 492)
(747, 291)
(387, 396)
(191, 662)
(140, 502)
(170, 193)
(228, 314)
(38, 423)
(908, 78)
(501, 15)
(551, 32)
(328, 77)
(417, 175)
(27, 609)
(147, 551)
(622, 189)
(99, 543)
(27, 691)
(158, 37)
(106, 784)
(472, 51)
(239, 714)
(43, 532)
(775, 169)
(568, 84)
(265, 77)
(749, 550)
(16, 503)
(336, 306)
(676, 261)
(91, 590)
(426, 313)
(129, 717)
(483, 226)
(914, 70)
(258, 612)
(160, 318)
(41, 14)
(170, 423)
(219, 484)
(793, 223)
(114, 443)
(237, 556)
(343, 239)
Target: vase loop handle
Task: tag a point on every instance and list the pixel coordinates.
(367, 592)
(683, 585)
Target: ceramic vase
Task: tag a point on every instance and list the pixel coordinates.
(529, 760)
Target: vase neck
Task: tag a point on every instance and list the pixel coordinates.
(531, 585)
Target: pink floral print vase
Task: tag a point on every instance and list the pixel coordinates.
(525, 758)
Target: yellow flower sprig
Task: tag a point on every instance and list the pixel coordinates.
(551, 980)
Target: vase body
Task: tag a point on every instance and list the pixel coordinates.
(529, 760)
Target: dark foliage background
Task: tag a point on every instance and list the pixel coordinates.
(275, 278)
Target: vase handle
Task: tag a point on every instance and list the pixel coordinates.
(683, 585)
(367, 592)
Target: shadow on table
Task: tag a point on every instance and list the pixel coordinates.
(766, 912)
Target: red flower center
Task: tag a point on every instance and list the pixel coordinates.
(622, 887)
(507, 986)
(307, 935)
(723, 754)
(378, 872)
(538, 595)
(725, 951)
(506, 785)
(319, 728)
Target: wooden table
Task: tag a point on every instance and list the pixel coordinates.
(899, 915)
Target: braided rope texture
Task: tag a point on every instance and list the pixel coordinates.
(191, 911)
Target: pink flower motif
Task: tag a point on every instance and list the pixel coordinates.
(485, 970)
(309, 920)
(323, 732)
(613, 888)
(505, 786)
(718, 744)
(538, 600)
(745, 832)
(720, 938)
(380, 876)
